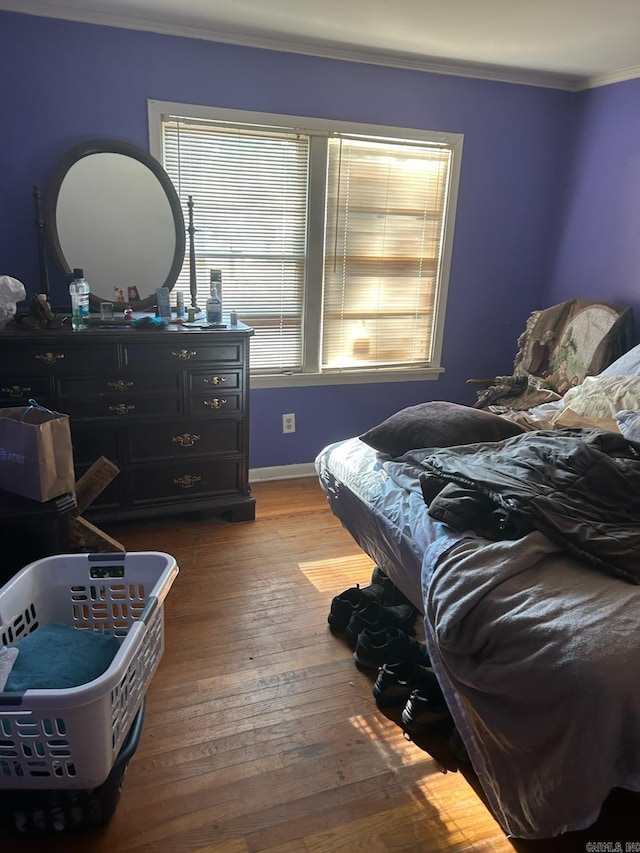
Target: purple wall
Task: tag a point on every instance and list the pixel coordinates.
(599, 245)
(65, 82)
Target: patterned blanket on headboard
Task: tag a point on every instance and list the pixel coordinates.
(560, 346)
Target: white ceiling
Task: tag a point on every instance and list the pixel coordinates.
(563, 43)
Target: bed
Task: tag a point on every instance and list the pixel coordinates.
(534, 638)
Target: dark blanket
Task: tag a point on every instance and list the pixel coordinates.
(579, 487)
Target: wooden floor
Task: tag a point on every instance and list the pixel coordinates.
(260, 733)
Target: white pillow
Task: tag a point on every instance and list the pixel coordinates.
(627, 365)
(603, 396)
(629, 424)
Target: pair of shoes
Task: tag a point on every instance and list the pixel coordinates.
(391, 645)
(423, 713)
(397, 681)
(375, 616)
(343, 606)
(380, 589)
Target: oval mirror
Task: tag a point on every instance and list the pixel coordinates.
(113, 211)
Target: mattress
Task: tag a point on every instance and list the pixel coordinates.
(379, 501)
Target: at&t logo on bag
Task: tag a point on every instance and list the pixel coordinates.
(7, 456)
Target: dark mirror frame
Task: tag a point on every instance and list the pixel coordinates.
(114, 146)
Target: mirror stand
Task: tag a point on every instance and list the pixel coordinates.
(193, 283)
(42, 254)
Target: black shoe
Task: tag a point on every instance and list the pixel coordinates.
(375, 648)
(391, 593)
(375, 616)
(378, 576)
(422, 714)
(345, 605)
(396, 682)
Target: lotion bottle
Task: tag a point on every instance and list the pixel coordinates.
(214, 302)
(79, 291)
(180, 305)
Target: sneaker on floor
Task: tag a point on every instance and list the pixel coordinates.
(376, 616)
(391, 593)
(343, 606)
(392, 645)
(397, 681)
(421, 713)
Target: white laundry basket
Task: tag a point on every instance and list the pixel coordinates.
(70, 738)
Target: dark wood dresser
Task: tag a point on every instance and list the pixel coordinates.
(169, 406)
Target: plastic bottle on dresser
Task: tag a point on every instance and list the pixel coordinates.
(214, 302)
(79, 290)
(180, 305)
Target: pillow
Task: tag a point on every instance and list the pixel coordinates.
(603, 396)
(437, 424)
(629, 424)
(627, 365)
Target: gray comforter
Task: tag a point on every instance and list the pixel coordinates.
(538, 655)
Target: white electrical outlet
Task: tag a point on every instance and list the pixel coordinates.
(289, 423)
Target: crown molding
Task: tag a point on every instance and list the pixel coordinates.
(326, 50)
(630, 73)
(350, 53)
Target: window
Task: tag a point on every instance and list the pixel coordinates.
(333, 240)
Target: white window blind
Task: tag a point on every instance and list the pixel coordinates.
(249, 190)
(334, 239)
(386, 204)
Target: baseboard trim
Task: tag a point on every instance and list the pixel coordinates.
(282, 472)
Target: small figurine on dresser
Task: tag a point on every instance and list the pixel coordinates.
(39, 315)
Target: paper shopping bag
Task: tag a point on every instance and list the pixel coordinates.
(36, 454)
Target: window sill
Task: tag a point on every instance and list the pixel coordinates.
(348, 378)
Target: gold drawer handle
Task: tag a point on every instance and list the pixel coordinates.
(184, 353)
(16, 390)
(119, 385)
(187, 439)
(216, 403)
(215, 380)
(50, 357)
(188, 481)
(122, 408)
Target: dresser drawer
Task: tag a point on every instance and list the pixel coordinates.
(214, 381)
(217, 404)
(117, 384)
(125, 408)
(55, 360)
(179, 353)
(185, 480)
(184, 440)
(18, 393)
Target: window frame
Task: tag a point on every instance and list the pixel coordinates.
(318, 129)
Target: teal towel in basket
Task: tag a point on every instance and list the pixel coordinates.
(56, 657)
